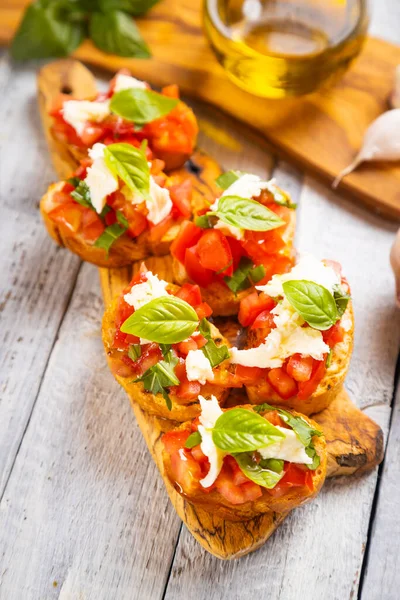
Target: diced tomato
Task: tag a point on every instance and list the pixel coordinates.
(151, 355)
(198, 455)
(214, 252)
(264, 321)
(174, 133)
(224, 378)
(119, 341)
(203, 310)
(236, 251)
(273, 417)
(334, 335)
(158, 231)
(199, 339)
(185, 471)
(251, 491)
(186, 390)
(225, 486)
(252, 306)
(259, 243)
(307, 388)
(92, 225)
(274, 264)
(195, 270)
(175, 440)
(69, 215)
(181, 196)
(188, 236)
(295, 476)
(172, 91)
(282, 383)
(238, 477)
(249, 375)
(190, 293)
(91, 134)
(62, 197)
(157, 167)
(300, 367)
(185, 347)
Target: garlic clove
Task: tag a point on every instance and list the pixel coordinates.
(381, 142)
(395, 264)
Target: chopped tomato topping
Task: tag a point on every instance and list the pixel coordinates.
(252, 306)
(172, 91)
(151, 355)
(300, 367)
(188, 236)
(214, 252)
(203, 310)
(69, 215)
(264, 321)
(175, 440)
(307, 388)
(185, 471)
(190, 293)
(282, 383)
(295, 476)
(334, 335)
(224, 378)
(249, 375)
(185, 347)
(273, 417)
(181, 196)
(157, 232)
(187, 390)
(195, 270)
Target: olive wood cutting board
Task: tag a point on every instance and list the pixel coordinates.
(321, 132)
(354, 441)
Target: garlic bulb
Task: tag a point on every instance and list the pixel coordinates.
(395, 264)
(381, 142)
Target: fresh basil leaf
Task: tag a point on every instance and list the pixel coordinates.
(225, 180)
(341, 299)
(130, 164)
(109, 236)
(241, 430)
(258, 473)
(246, 214)
(81, 194)
(165, 320)
(257, 273)
(313, 302)
(133, 7)
(167, 399)
(141, 106)
(75, 181)
(135, 351)
(166, 351)
(312, 453)
(115, 32)
(193, 440)
(303, 430)
(273, 464)
(122, 219)
(46, 32)
(240, 279)
(160, 377)
(215, 354)
(205, 328)
(204, 222)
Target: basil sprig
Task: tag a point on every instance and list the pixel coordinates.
(313, 302)
(215, 354)
(164, 320)
(55, 28)
(241, 430)
(246, 214)
(141, 106)
(193, 440)
(225, 180)
(245, 275)
(112, 233)
(81, 193)
(159, 378)
(130, 164)
(341, 299)
(266, 473)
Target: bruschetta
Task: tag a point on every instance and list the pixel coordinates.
(300, 337)
(118, 207)
(243, 238)
(162, 349)
(246, 461)
(130, 111)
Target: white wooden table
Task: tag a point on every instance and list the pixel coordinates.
(83, 512)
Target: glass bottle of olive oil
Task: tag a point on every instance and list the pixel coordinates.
(278, 48)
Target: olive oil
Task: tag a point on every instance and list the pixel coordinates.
(278, 48)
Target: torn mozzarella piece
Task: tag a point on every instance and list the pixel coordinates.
(289, 448)
(78, 112)
(159, 205)
(99, 179)
(126, 82)
(198, 367)
(142, 293)
(210, 411)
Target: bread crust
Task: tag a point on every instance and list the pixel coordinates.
(221, 299)
(328, 388)
(215, 503)
(154, 404)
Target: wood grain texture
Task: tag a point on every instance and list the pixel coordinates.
(321, 132)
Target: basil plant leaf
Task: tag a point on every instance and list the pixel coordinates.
(46, 32)
(109, 236)
(133, 7)
(193, 440)
(205, 329)
(302, 429)
(81, 194)
(312, 453)
(141, 106)
(246, 214)
(115, 32)
(165, 320)
(313, 302)
(258, 473)
(341, 299)
(241, 430)
(225, 180)
(215, 354)
(130, 164)
(245, 275)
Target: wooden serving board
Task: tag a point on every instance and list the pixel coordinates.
(354, 441)
(321, 132)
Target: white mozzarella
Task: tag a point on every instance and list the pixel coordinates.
(198, 367)
(210, 411)
(289, 448)
(142, 293)
(99, 179)
(78, 112)
(126, 82)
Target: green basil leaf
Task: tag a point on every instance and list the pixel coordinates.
(312, 453)
(281, 198)
(313, 302)
(204, 222)
(109, 236)
(258, 473)
(81, 194)
(122, 220)
(160, 377)
(165, 320)
(205, 329)
(246, 214)
(240, 279)
(215, 354)
(133, 7)
(257, 273)
(75, 181)
(241, 430)
(193, 440)
(141, 106)
(130, 164)
(225, 180)
(273, 464)
(46, 32)
(135, 351)
(341, 299)
(115, 32)
(303, 430)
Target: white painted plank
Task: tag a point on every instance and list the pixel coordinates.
(36, 277)
(84, 506)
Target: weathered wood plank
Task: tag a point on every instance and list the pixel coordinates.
(36, 277)
(84, 506)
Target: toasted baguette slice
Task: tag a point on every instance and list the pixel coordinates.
(221, 299)
(155, 404)
(328, 388)
(216, 504)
